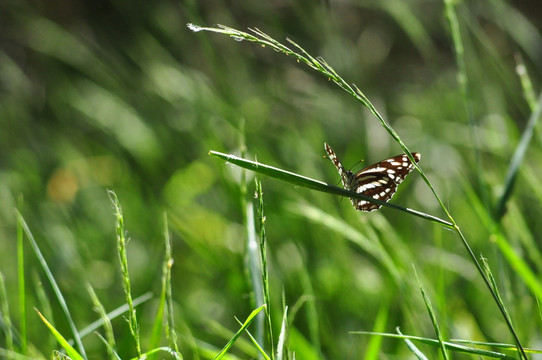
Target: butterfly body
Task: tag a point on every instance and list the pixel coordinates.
(378, 181)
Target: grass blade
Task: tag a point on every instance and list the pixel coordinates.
(121, 246)
(454, 346)
(4, 309)
(247, 322)
(110, 342)
(413, 348)
(113, 314)
(72, 353)
(517, 160)
(303, 181)
(53, 283)
(22, 286)
(433, 317)
(263, 263)
(282, 335)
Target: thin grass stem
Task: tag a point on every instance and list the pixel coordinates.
(121, 247)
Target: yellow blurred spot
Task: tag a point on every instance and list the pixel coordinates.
(62, 186)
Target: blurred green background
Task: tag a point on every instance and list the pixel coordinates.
(121, 95)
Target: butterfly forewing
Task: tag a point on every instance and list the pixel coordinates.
(378, 181)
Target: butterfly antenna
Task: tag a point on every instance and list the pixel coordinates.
(358, 162)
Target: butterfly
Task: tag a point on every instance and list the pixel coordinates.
(378, 181)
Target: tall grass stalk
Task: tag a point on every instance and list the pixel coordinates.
(325, 69)
(263, 260)
(168, 264)
(121, 247)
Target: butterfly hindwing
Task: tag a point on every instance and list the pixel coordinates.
(378, 181)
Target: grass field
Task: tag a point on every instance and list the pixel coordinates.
(162, 177)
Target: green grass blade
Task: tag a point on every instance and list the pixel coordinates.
(113, 314)
(256, 344)
(449, 345)
(156, 332)
(4, 309)
(53, 283)
(72, 353)
(254, 269)
(526, 83)
(21, 286)
(433, 317)
(110, 349)
(375, 342)
(413, 348)
(170, 324)
(106, 321)
(46, 309)
(304, 181)
(155, 351)
(12, 355)
(463, 80)
(520, 266)
(263, 264)
(517, 160)
(282, 335)
(247, 322)
(121, 247)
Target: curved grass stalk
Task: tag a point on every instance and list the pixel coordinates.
(325, 69)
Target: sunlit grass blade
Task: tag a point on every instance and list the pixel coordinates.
(254, 268)
(72, 353)
(252, 255)
(503, 346)
(311, 348)
(283, 335)
(241, 344)
(170, 324)
(113, 314)
(167, 263)
(254, 341)
(106, 321)
(53, 284)
(304, 181)
(155, 352)
(494, 284)
(121, 247)
(375, 342)
(6, 320)
(311, 312)
(247, 322)
(464, 84)
(449, 345)
(110, 349)
(526, 83)
(44, 302)
(413, 348)
(12, 355)
(517, 159)
(433, 317)
(263, 264)
(21, 284)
